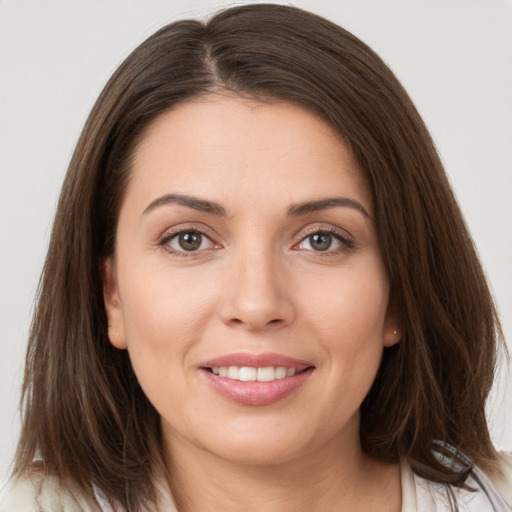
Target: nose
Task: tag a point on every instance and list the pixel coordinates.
(256, 295)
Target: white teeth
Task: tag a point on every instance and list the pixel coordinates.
(266, 374)
(247, 374)
(280, 372)
(233, 373)
(250, 374)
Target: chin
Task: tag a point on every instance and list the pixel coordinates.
(267, 441)
(258, 452)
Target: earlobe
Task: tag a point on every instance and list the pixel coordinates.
(113, 309)
(393, 329)
(392, 336)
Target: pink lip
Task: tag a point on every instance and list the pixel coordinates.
(256, 393)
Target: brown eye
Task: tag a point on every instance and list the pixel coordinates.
(189, 241)
(325, 241)
(320, 241)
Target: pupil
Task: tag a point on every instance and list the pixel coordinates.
(320, 241)
(190, 241)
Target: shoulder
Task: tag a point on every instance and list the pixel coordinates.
(484, 492)
(502, 480)
(41, 493)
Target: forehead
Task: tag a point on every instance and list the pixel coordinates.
(236, 150)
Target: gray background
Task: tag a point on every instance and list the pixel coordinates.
(453, 56)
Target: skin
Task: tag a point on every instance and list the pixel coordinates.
(256, 285)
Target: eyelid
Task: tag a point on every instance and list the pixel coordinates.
(185, 227)
(340, 234)
(321, 227)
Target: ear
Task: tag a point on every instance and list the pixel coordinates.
(393, 327)
(113, 308)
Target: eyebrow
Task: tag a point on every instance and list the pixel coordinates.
(299, 209)
(195, 203)
(214, 208)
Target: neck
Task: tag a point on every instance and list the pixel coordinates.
(332, 477)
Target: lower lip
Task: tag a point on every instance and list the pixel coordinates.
(256, 393)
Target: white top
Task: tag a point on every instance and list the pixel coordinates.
(44, 494)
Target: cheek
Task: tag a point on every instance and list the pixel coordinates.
(165, 313)
(352, 302)
(161, 304)
(349, 313)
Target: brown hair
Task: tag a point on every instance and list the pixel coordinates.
(85, 416)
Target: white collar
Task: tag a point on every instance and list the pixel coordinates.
(418, 494)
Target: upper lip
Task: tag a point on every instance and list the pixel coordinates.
(256, 361)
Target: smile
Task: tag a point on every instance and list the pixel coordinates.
(251, 374)
(256, 380)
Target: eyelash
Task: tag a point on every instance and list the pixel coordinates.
(168, 236)
(346, 246)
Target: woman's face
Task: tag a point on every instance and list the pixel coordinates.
(246, 239)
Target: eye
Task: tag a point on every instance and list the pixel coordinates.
(320, 242)
(188, 241)
(326, 241)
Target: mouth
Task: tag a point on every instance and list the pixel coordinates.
(256, 380)
(252, 374)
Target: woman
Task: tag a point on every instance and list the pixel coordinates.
(259, 292)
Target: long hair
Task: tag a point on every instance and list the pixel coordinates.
(85, 416)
